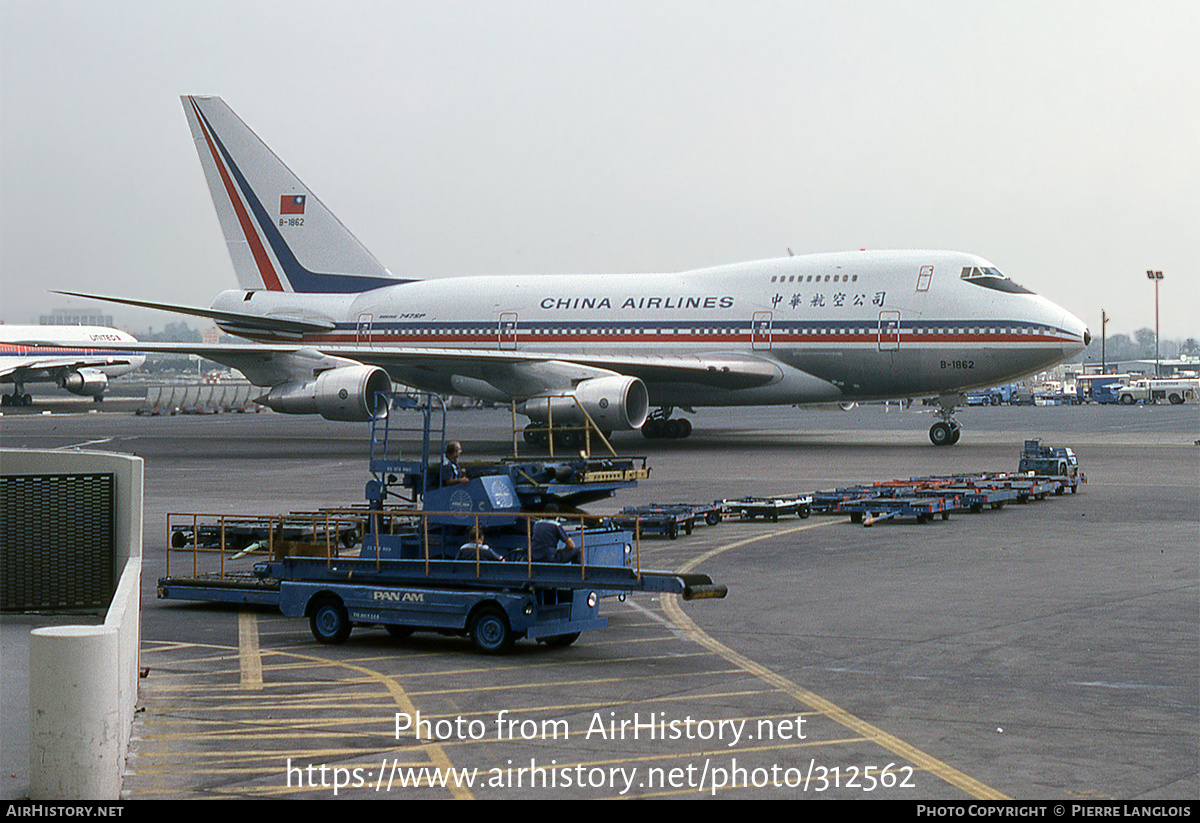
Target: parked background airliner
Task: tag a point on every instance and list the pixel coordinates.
(64, 355)
(331, 325)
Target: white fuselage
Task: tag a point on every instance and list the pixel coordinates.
(854, 325)
(60, 354)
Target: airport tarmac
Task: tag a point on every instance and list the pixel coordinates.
(1045, 651)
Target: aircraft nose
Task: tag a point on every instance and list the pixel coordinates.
(1078, 330)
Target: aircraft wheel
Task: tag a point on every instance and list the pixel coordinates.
(941, 434)
(685, 427)
(490, 632)
(6, 400)
(652, 429)
(671, 429)
(330, 622)
(957, 433)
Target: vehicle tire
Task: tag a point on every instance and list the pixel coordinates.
(672, 531)
(490, 632)
(941, 434)
(805, 511)
(1175, 399)
(560, 641)
(712, 518)
(856, 517)
(399, 632)
(1127, 400)
(330, 622)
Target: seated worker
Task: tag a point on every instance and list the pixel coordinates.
(475, 547)
(452, 474)
(544, 538)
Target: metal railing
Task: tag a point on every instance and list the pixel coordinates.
(588, 427)
(212, 542)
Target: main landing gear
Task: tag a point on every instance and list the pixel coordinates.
(946, 431)
(660, 425)
(17, 398)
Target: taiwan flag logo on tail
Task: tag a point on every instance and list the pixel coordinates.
(291, 204)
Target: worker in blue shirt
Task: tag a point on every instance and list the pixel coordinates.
(544, 537)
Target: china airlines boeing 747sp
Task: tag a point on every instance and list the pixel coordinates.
(330, 325)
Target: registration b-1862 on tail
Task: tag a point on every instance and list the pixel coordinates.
(330, 325)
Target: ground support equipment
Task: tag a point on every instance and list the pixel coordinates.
(771, 508)
(671, 518)
(873, 510)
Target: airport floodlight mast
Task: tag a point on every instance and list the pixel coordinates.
(1103, 340)
(1157, 277)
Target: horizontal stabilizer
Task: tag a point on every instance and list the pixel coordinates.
(232, 321)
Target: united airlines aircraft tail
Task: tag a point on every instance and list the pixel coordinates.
(280, 236)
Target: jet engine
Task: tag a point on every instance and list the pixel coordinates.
(614, 403)
(89, 382)
(345, 393)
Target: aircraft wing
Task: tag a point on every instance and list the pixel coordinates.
(725, 371)
(464, 371)
(38, 369)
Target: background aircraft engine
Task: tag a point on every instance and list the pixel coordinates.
(614, 403)
(90, 382)
(345, 393)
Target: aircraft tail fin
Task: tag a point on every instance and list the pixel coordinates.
(280, 236)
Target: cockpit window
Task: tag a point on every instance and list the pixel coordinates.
(991, 278)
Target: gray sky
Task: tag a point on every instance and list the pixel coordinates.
(1057, 139)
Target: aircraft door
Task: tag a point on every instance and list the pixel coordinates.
(760, 331)
(889, 331)
(364, 329)
(507, 330)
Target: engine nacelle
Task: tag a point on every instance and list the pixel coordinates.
(89, 382)
(345, 393)
(614, 403)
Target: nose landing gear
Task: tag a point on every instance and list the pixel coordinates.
(946, 431)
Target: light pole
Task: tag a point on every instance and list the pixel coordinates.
(1157, 277)
(1103, 340)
